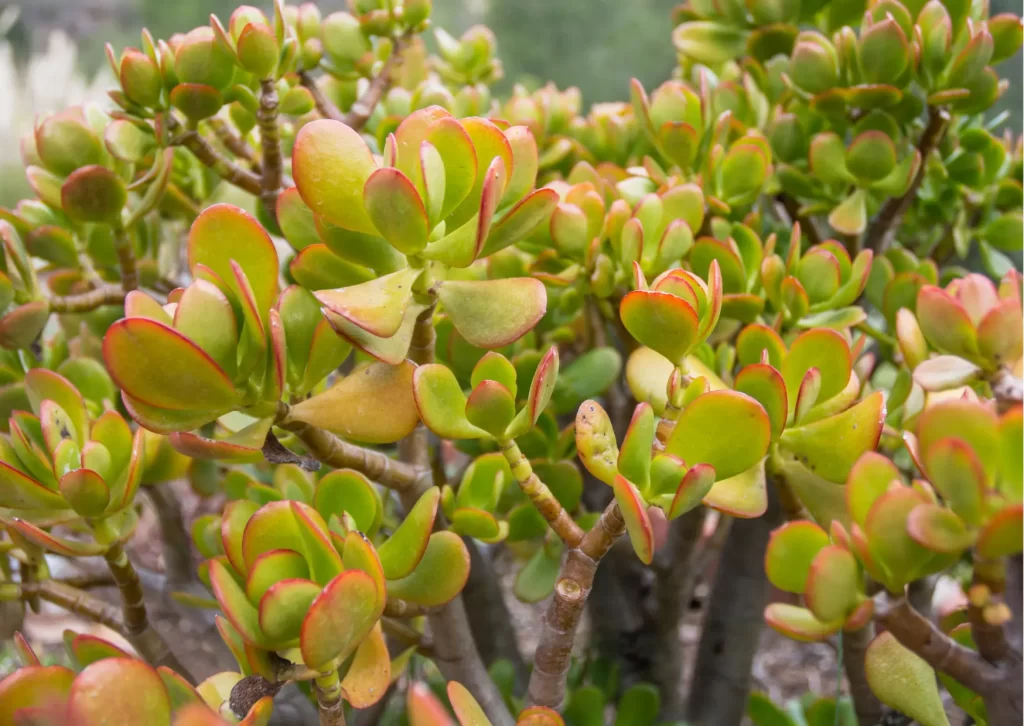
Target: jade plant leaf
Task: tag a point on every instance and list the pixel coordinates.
(125, 686)
(831, 446)
(798, 623)
(634, 512)
(902, 680)
(661, 321)
(726, 429)
(439, 575)
(791, 550)
(467, 710)
(493, 313)
(595, 441)
(340, 617)
(832, 584)
(369, 675)
(442, 404)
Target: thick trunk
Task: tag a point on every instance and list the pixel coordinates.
(869, 709)
(732, 627)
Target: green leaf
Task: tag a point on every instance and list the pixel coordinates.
(744, 495)
(595, 442)
(661, 321)
(404, 549)
(271, 567)
(128, 687)
(764, 384)
(791, 550)
(869, 479)
(635, 455)
(493, 313)
(283, 607)
(831, 446)
(491, 407)
(316, 267)
(902, 680)
(331, 165)
(1002, 534)
(338, 619)
(798, 623)
(396, 210)
(938, 529)
(442, 404)
(440, 574)
(850, 217)
(833, 584)
(634, 512)
(93, 194)
(728, 430)
(376, 306)
(348, 491)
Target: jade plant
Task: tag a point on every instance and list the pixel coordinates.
(414, 343)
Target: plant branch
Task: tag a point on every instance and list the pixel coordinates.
(882, 228)
(177, 544)
(866, 705)
(233, 142)
(396, 608)
(75, 601)
(540, 496)
(361, 110)
(126, 259)
(137, 628)
(323, 104)
(941, 652)
(792, 209)
(272, 162)
(220, 165)
(339, 454)
(406, 634)
(106, 294)
(575, 579)
(327, 688)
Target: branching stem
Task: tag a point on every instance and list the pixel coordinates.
(539, 494)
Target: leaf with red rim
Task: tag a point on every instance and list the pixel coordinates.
(493, 313)
(831, 446)
(892, 546)
(53, 543)
(791, 550)
(402, 551)
(317, 267)
(958, 475)
(764, 384)
(491, 407)
(467, 710)
(271, 567)
(331, 164)
(938, 529)
(833, 584)
(442, 404)
(424, 709)
(369, 675)
(660, 321)
(726, 429)
(520, 220)
(439, 575)
(33, 687)
(634, 512)
(396, 210)
(744, 495)
(798, 623)
(284, 606)
(158, 366)
(1003, 533)
(945, 322)
(340, 617)
(869, 479)
(969, 421)
(823, 349)
(694, 488)
(634, 460)
(349, 492)
(376, 306)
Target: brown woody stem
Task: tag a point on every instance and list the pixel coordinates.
(75, 601)
(455, 651)
(272, 163)
(882, 228)
(792, 209)
(327, 687)
(137, 628)
(396, 608)
(177, 544)
(918, 634)
(554, 651)
(126, 259)
(106, 294)
(361, 110)
(866, 705)
(406, 634)
(221, 166)
(539, 494)
(339, 454)
(232, 141)
(323, 104)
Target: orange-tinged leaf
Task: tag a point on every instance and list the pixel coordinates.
(18, 491)
(438, 576)
(833, 584)
(938, 529)
(376, 306)
(369, 676)
(661, 321)
(520, 220)
(539, 716)
(1003, 533)
(331, 164)
(235, 605)
(423, 707)
(358, 554)
(283, 607)
(744, 495)
(374, 404)
(402, 551)
(467, 710)
(33, 687)
(726, 429)
(791, 550)
(491, 407)
(42, 384)
(53, 543)
(123, 686)
(272, 567)
(958, 475)
(945, 322)
(694, 488)
(634, 512)
(968, 421)
(338, 619)
(158, 366)
(823, 349)
(223, 233)
(869, 479)
(442, 404)
(493, 313)
(764, 384)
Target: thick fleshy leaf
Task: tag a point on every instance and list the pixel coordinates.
(340, 617)
(158, 366)
(42, 384)
(791, 550)
(886, 530)
(833, 584)
(634, 512)
(19, 491)
(493, 313)
(88, 649)
(373, 404)
(491, 407)
(440, 574)
(272, 567)
(945, 322)
(33, 687)
(726, 429)
(377, 306)
(968, 421)
(442, 404)
(635, 454)
(754, 340)
(831, 446)
(331, 164)
(850, 217)
(999, 333)
(1011, 443)
(296, 526)
(744, 495)
(693, 489)
(938, 529)
(317, 268)
(236, 607)
(595, 441)
(520, 221)
(396, 210)
(869, 479)
(823, 349)
(904, 681)
(392, 350)
(283, 608)
(944, 372)
(764, 384)
(539, 716)
(424, 708)
(296, 219)
(55, 544)
(358, 554)
(1002, 534)
(349, 492)
(467, 710)
(369, 675)
(93, 194)
(959, 476)
(224, 233)
(798, 623)
(404, 549)
(660, 321)
(85, 491)
(124, 686)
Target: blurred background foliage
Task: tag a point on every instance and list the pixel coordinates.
(597, 45)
